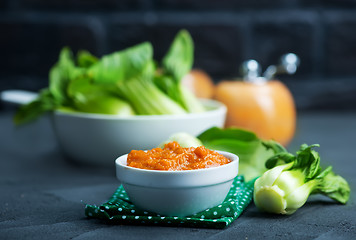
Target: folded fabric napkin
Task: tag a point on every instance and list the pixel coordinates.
(119, 209)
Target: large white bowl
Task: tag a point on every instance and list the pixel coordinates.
(177, 193)
(96, 139)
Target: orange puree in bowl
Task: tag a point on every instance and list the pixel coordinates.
(175, 158)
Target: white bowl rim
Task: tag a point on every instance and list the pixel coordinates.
(216, 105)
(177, 179)
(233, 157)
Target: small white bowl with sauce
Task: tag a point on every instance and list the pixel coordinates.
(177, 193)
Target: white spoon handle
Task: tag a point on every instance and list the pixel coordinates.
(19, 97)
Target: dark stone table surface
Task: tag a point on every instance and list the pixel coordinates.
(42, 194)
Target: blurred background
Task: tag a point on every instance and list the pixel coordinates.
(226, 32)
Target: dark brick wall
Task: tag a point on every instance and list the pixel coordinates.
(225, 32)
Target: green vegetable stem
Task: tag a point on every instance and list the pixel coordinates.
(290, 180)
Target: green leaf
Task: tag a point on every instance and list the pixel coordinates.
(134, 62)
(175, 65)
(308, 160)
(61, 74)
(227, 133)
(322, 174)
(26, 113)
(179, 58)
(245, 144)
(333, 186)
(85, 59)
(236, 146)
(274, 146)
(280, 159)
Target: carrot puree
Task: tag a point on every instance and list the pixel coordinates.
(175, 158)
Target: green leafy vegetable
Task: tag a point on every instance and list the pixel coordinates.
(292, 178)
(175, 65)
(131, 73)
(122, 83)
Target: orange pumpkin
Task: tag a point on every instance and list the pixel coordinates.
(266, 108)
(200, 83)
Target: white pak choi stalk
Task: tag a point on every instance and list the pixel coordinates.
(290, 180)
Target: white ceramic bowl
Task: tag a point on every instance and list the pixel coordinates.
(177, 193)
(96, 139)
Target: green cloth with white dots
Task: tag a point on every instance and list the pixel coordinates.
(120, 210)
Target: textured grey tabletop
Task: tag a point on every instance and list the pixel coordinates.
(42, 194)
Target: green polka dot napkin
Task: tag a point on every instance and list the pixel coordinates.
(120, 210)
